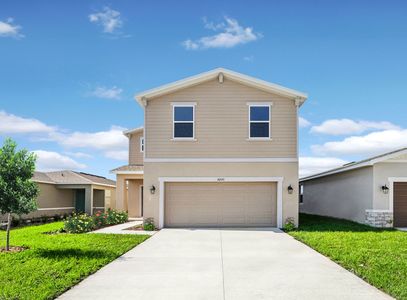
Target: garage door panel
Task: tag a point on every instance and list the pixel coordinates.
(400, 204)
(220, 204)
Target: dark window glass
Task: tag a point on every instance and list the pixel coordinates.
(259, 113)
(183, 113)
(183, 130)
(259, 130)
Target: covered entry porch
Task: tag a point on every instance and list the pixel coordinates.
(129, 194)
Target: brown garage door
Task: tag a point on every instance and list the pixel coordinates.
(400, 204)
(190, 204)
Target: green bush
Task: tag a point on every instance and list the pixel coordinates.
(79, 223)
(114, 217)
(148, 224)
(289, 225)
(100, 219)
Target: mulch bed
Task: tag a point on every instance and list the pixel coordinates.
(13, 249)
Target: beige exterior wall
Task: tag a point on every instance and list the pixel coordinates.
(134, 198)
(51, 197)
(289, 171)
(122, 194)
(218, 136)
(135, 155)
(344, 195)
(382, 172)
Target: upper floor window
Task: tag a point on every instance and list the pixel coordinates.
(141, 144)
(184, 119)
(259, 121)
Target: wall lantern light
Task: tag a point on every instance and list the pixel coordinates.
(152, 189)
(290, 189)
(385, 189)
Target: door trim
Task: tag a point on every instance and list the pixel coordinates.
(278, 180)
(392, 180)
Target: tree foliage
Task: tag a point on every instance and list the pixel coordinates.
(18, 192)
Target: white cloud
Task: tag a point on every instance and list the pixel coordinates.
(108, 18)
(370, 144)
(302, 122)
(79, 154)
(52, 161)
(314, 165)
(348, 127)
(8, 29)
(112, 139)
(113, 93)
(118, 155)
(249, 58)
(232, 35)
(10, 124)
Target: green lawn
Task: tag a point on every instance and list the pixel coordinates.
(377, 256)
(53, 263)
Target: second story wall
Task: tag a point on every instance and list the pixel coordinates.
(221, 124)
(135, 153)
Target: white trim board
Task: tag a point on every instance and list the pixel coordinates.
(223, 160)
(128, 172)
(56, 208)
(279, 181)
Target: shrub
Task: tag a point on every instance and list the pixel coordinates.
(100, 219)
(79, 223)
(114, 217)
(148, 224)
(289, 224)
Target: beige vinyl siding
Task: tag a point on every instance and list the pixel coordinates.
(221, 124)
(135, 156)
(220, 204)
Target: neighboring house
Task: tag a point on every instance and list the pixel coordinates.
(217, 149)
(371, 191)
(67, 191)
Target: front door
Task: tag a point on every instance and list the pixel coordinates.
(80, 201)
(400, 204)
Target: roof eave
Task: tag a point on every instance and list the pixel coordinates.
(238, 77)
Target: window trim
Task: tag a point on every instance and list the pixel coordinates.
(185, 104)
(142, 144)
(259, 104)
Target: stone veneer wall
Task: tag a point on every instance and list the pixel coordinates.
(379, 218)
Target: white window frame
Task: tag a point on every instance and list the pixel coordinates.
(142, 144)
(181, 104)
(268, 105)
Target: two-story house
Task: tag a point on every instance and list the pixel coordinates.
(217, 149)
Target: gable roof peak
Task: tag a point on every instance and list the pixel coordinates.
(143, 97)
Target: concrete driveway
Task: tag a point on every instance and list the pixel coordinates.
(223, 264)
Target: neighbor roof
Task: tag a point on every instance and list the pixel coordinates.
(134, 169)
(131, 131)
(71, 177)
(359, 164)
(228, 74)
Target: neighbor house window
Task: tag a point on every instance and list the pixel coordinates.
(259, 121)
(142, 144)
(184, 116)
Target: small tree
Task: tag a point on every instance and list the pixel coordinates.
(17, 192)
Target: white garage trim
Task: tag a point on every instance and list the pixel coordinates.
(392, 180)
(279, 181)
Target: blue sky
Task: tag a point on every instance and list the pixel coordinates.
(69, 70)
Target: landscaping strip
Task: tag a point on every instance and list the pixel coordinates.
(379, 256)
(50, 264)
